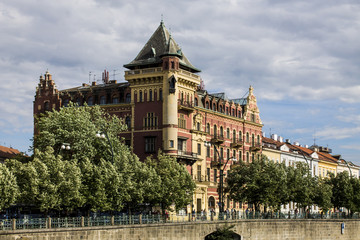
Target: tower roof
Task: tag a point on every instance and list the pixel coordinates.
(160, 44)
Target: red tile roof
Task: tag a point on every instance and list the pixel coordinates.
(6, 152)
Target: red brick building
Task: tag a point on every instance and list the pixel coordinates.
(165, 107)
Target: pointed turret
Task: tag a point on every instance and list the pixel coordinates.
(160, 45)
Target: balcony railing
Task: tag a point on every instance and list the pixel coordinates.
(201, 178)
(187, 157)
(236, 143)
(217, 139)
(255, 147)
(186, 105)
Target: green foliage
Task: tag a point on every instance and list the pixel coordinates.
(260, 182)
(9, 190)
(301, 185)
(176, 186)
(323, 194)
(78, 127)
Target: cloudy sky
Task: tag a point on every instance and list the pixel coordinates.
(301, 57)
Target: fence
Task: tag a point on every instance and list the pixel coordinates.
(72, 222)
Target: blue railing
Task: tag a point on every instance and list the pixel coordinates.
(75, 222)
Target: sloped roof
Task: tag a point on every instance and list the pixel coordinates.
(272, 141)
(326, 157)
(6, 152)
(160, 44)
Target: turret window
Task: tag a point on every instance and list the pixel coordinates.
(140, 96)
(128, 98)
(128, 122)
(150, 95)
(46, 106)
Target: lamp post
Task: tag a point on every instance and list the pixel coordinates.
(221, 170)
(105, 135)
(64, 146)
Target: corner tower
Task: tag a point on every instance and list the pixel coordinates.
(162, 71)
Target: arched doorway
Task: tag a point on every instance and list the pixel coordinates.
(211, 202)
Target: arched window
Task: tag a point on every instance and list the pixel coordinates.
(182, 97)
(207, 105)
(228, 133)
(247, 137)
(240, 155)
(252, 157)
(214, 106)
(247, 156)
(221, 131)
(140, 96)
(90, 101)
(150, 95)
(208, 128)
(46, 106)
(160, 94)
(215, 130)
(198, 126)
(234, 135)
(221, 109)
(240, 136)
(115, 99)
(102, 100)
(228, 153)
(212, 202)
(258, 139)
(128, 98)
(252, 139)
(128, 122)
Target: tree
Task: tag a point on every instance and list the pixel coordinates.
(78, 127)
(301, 185)
(9, 190)
(48, 182)
(342, 191)
(260, 182)
(323, 194)
(177, 187)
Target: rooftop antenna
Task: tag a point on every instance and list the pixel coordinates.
(314, 137)
(162, 18)
(90, 77)
(270, 132)
(94, 77)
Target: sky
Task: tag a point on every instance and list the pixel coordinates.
(301, 57)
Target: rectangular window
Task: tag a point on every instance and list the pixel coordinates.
(199, 173)
(182, 121)
(208, 174)
(150, 144)
(215, 175)
(171, 143)
(240, 155)
(208, 151)
(199, 149)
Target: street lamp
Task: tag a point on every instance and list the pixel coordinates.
(221, 170)
(65, 146)
(105, 135)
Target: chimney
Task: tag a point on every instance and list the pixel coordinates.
(306, 146)
(93, 83)
(263, 134)
(288, 141)
(296, 143)
(281, 139)
(105, 76)
(274, 137)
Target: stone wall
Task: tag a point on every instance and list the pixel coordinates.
(247, 229)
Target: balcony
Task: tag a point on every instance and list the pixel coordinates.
(201, 178)
(216, 139)
(255, 147)
(188, 158)
(186, 105)
(236, 143)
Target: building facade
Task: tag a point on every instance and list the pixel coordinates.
(165, 106)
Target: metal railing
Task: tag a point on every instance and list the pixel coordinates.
(77, 222)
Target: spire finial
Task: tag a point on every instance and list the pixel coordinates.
(162, 20)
